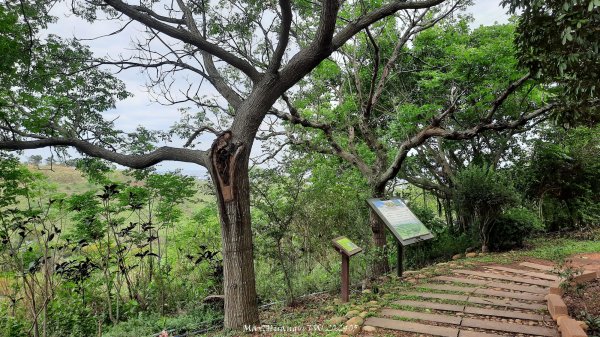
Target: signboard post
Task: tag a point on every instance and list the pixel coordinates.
(346, 248)
(404, 225)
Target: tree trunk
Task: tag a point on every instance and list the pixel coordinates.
(380, 264)
(229, 171)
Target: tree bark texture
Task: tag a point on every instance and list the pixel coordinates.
(229, 170)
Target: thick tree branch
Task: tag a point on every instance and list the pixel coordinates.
(132, 161)
(336, 151)
(324, 36)
(384, 11)
(500, 99)
(158, 16)
(327, 129)
(432, 131)
(284, 35)
(426, 184)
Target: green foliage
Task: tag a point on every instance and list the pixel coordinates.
(148, 324)
(442, 247)
(557, 40)
(481, 195)
(109, 253)
(593, 322)
(48, 87)
(296, 215)
(513, 227)
(11, 325)
(67, 317)
(563, 177)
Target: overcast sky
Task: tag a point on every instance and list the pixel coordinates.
(140, 108)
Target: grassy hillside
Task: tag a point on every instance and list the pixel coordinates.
(70, 181)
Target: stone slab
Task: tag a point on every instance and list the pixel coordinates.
(392, 324)
(467, 333)
(431, 305)
(503, 313)
(526, 273)
(536, 266)
(504, 277)
(508, 294)
(493, 284)
(439, 296)
(556, 306)
(447, 287)
(509, 327)
(481, 291)
(586, 276)
(505, 303)
(423, 316)
(570, 328)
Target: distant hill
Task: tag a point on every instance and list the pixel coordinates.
(70, 181)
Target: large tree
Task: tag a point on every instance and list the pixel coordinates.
(250, 52)
(384, 97)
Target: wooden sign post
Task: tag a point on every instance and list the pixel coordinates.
(346, 248)
(405, 226)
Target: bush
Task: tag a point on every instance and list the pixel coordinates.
(11, 326)
(481, 194)
(149, 324)
(512, 228)
(69, 318)
(442, 247)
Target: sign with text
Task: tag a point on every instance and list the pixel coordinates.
(405, 226)
(345, 246)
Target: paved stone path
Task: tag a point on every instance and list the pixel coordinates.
(496, 301)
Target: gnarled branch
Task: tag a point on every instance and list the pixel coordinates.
(132, 161)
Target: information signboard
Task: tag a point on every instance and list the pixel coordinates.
(345, 246)
(405, 226)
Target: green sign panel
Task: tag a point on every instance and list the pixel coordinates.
(344, 245)
(405, 226)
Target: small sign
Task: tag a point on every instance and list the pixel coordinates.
(405, 226)
(345, 246)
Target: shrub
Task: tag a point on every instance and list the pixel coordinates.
(481, 194)
(442, 247)
(69, 318)
(513, 227)
(11, 326)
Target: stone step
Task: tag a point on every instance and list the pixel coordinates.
(431, 305)
(493, 284)
(393, 324)
(447, 287)
(481, 291)
(537, 266)
(439, 296)
(423, 316)
(471, 322)
(478, 300)
(467, 333)
(509, 327)
(503, 313)
(504, 277)
(505, 303)
(470, 310)
(526, 273)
